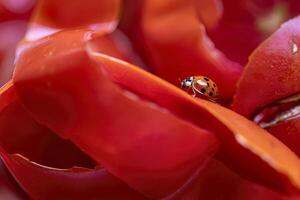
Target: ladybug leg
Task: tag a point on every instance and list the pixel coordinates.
(195, 93)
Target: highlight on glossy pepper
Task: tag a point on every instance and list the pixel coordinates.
(149, 99)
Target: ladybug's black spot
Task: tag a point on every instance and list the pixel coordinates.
(206, 79)
(214, 85)
(203, 91)
(207, 84)
(210, 94)
(213, 89)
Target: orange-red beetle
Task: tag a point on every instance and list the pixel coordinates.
(201, 85)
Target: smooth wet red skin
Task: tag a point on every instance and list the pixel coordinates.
(272, 72)
(173, 42)
(217, 181)
(70, 14)
(37, 179)
(70, 39)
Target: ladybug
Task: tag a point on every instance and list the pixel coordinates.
(201, 85)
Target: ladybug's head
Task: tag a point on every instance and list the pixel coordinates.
(187, 82)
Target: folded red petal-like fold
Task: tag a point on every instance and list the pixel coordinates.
(53, 16)
(20, 134)
(33, 140)
(42, 182)
(174, 42)
(100, 16)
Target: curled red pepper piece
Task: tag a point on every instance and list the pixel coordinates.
(271, 81)
(42, 182)
(274, 66)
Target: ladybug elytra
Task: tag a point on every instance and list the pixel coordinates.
(201, 85)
